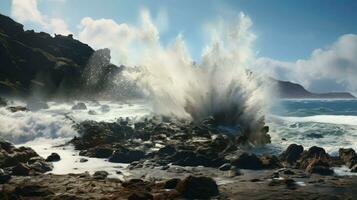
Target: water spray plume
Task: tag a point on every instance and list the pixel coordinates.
(220, 85)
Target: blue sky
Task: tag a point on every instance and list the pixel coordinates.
(288, 31)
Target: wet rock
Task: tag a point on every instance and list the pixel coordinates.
(100, 152)
(292, 153)
(79, 106)
(247, 161)
(225, 167)
(100, 174)
(313, 154)
(11, 156)
(124, 155)
(4, 177)
(168, 150)
(82, 160)
(21, 169)
(172, 183)
(16, 108)
(270, 162)
(348, 156)
(141, 196)
(54, 157)
(38, 164)
(190, 158)
(318, 166)
(197, 187)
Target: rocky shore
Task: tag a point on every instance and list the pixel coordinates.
(173, 159)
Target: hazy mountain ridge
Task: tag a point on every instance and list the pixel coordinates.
(291, 90)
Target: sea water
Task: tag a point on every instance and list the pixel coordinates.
(331, 124)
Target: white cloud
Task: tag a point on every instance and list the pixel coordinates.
(27, 11)
(337, 62)
(126, 41)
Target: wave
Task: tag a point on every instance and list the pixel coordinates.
(329, 119)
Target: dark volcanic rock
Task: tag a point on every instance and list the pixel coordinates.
(197, 187)
(348, 156)
(270, 162)
(319, 166)
(4, 177)
(311, 155)
(21, 170)
(124, 155)
(100, 174)
(54, 157)
(292, 153)
(172, 183)
(247, 161)
(141, 196)
(16, 108)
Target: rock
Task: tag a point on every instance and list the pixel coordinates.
(171, 183)
(314, 153)
(79, 106)
(318, 166)
(4, 177)
(54, 157)
(197, 187)
(140, 196)
(270, 162)
(190, 158)
(16, 108)
(247, 161)
(100, 152)
(21, 169)
(126, 156)
(225, 167)
(11, 156)
(100, 174)
(292, 153)
(348, 156)
(82, 160)
(39, 164)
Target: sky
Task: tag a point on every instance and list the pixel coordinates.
(312, 42)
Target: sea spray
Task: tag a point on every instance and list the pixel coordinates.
(220, 85)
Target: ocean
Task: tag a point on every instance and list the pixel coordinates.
(331, 124)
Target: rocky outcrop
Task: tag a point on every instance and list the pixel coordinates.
(22, 161)
(38, 62)
(349, 157)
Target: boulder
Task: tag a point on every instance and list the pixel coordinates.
(100, 174)
(124, 155)
(292, 153)
(4, 177)
(79, 106)
(247, 161)
(21, 169)
(270, 162)
(314, 153)
(197, 187)
(318, 166)
(348, 156)
(82, 160)
(171, 183)
(54, 157)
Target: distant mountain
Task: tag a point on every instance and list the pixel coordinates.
(291, 90)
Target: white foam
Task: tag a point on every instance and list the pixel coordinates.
(69, 162)
(330, 119)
